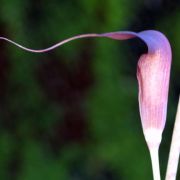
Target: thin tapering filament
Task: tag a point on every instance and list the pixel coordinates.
(114, 35)
(52, 47)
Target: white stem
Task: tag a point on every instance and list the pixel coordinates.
(175, 149)
(155, 163)
(153, 138)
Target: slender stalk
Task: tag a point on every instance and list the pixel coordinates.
(153, 138)
(155, 163)
(175, 149)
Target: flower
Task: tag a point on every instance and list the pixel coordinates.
(153, 77)
(153, 72)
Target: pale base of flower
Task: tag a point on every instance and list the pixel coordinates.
(153, 138)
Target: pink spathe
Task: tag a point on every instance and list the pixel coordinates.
(153, 74)
(153, 71)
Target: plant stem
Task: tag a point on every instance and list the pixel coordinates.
(155, 162)
(175, 149)
(153, 138)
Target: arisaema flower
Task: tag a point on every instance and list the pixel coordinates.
(153, 71)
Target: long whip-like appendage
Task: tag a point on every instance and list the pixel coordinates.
(52, 47)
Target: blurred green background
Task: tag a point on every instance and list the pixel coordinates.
(72, 113)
